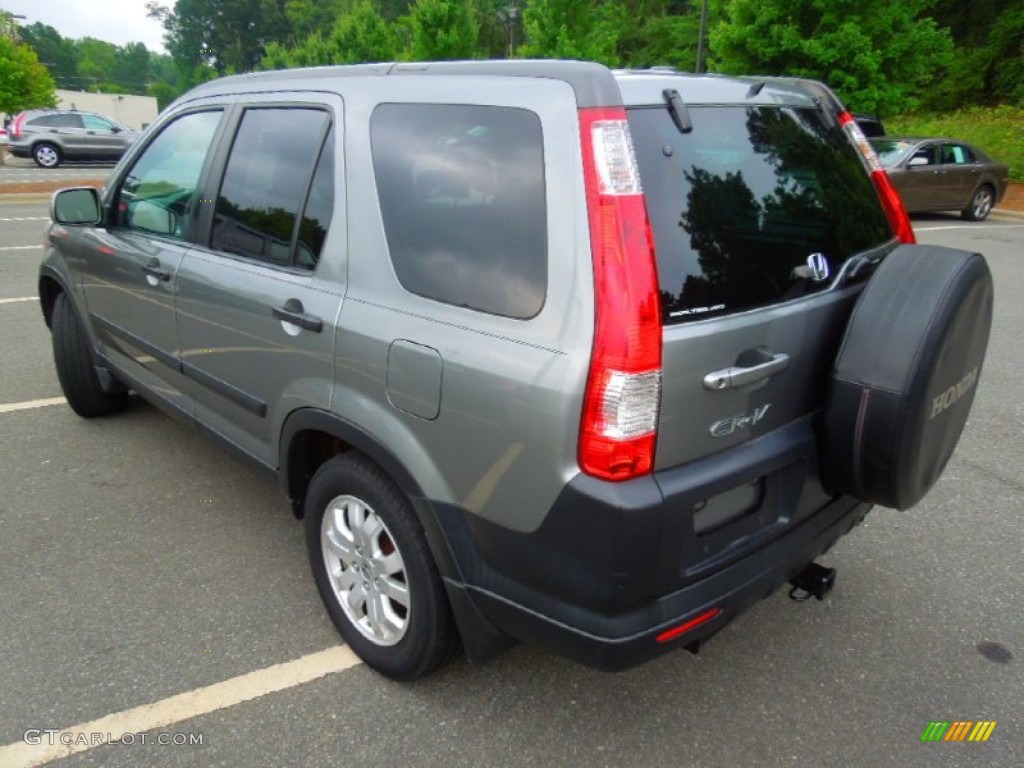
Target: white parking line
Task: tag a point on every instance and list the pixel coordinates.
(27, 218)
(28, 405)
(176, 709)
(19, 299)
(20, 247)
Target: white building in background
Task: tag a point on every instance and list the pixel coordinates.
(134, 111)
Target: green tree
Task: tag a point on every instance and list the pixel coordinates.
(361, 35)
(222, 35)
(566, 29)
(131, 68)
(56, 53)
(24, 82)
(443, 29)
(306, 17)
(95, 62)
(878, 55)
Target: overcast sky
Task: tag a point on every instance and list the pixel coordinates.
(116, 21)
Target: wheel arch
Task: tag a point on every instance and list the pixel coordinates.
(310, 436)
(51, 285)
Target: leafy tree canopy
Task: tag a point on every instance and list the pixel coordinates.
(880, 56)
(24, 82)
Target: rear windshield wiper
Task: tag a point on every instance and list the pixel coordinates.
(677, 108)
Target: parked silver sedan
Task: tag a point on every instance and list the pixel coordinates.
(943, 175)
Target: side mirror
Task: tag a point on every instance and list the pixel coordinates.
(915, 161)
(78, 205)
(115, 129)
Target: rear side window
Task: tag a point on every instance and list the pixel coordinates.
(268, 175)
(740, 203)
(461, 192)
(65, 121)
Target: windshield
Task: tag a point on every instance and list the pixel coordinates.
(891, 151)
(740, 204)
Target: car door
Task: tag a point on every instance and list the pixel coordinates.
(920, 182)
(102, 139)
(256, 304)
(128, 267)
(65, 129)
(963, 173)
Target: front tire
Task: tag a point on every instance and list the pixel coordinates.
(46, 155)
(76, 365)
(981, 204)
(374, 570)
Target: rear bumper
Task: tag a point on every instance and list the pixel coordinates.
(615, 565)
(616, 642)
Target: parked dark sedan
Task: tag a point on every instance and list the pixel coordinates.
(943, 175)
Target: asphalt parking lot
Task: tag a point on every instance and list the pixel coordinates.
(141, 565)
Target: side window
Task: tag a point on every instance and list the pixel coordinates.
(462, 197)
(926, 155)
(43, 121)
(961, 155)
(158, 194)
(265, 183)
(316, 218)
(65, 120)
(94, 123)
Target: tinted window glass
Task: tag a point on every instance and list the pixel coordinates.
(738, 204)
(316, 218)
(44, 121)
(65, 121)
(265, 183)
(461, 193)
(158, 195)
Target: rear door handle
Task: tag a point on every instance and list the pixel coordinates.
(153, 270)
(292, 312)
(735, 376)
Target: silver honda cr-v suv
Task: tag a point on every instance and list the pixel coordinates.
(539, 351)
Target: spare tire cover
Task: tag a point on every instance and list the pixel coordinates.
(906, 374)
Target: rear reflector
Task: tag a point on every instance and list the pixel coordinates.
(682, 629)
(618, 428)
(891, 202)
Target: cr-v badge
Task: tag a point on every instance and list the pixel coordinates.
(725, 427)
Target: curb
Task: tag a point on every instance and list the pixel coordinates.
(1004, 213)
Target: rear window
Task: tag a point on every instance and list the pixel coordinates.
(461, 192)
(740, 203)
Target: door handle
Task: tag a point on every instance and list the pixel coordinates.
(737, 376)
(292, 312)
(153, 270)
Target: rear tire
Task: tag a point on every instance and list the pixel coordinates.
(46, 155)
(374, 570)
(76, 365)
(981, 204)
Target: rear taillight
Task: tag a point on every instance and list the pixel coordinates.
(620, 407)
(16, 126)
(891, 202)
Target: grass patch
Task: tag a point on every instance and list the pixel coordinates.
(998, 131)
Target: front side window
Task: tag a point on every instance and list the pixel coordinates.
(94, 123)
(462, 197)
(158, 195)
(268, 175)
